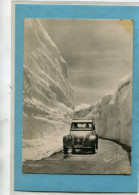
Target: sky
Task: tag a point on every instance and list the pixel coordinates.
(98, 54)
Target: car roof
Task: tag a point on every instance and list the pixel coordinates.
(82, 121)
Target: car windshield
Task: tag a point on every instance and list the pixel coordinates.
(81, 127)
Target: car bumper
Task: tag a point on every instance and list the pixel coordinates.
(80, 147)
(84, 144)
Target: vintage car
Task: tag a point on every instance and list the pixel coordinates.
(82, 135)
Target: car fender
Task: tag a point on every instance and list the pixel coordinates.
(92, 138)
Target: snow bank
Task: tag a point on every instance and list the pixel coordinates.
(36, 149)
(113, 113)
(47, 93)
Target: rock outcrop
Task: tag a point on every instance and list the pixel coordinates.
(48, 98)
(113, 113)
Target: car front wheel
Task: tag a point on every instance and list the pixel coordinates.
(73, 151)
(97, 142)
(97, 145)
(65, 150)
(93, 149)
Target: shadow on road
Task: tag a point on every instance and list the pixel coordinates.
(80, 152)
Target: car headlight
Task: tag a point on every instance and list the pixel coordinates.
(92, 137)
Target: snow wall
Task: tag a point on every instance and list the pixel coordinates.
(113, 113)
(47, 94)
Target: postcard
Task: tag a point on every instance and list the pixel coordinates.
(75, 98)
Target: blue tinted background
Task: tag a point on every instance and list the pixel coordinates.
(73, 183)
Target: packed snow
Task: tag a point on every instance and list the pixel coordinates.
(48, 97)
(36, 149)
(81, 106)
(113, 113)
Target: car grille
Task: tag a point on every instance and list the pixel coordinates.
(78, 141)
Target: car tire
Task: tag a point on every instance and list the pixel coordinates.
(97, 142)
(93, 149)
(97, 145)
(73, 151)
(65, 150)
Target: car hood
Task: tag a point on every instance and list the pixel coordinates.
(80, 133)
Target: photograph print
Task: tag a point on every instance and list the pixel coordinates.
(77, 96)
